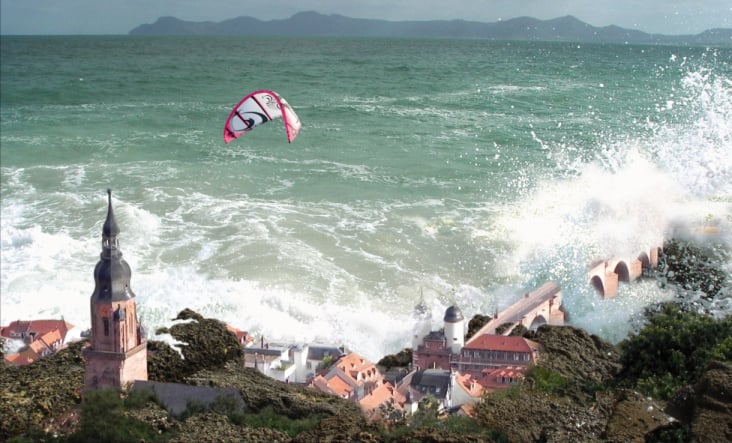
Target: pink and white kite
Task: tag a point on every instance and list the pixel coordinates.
(258, 108)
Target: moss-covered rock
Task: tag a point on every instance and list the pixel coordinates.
(585, 360)
(633, 417)
(706, 407)
(203, 342)
(34, 394)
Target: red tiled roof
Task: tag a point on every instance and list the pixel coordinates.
(502, 343)
(23, 358)
(51, 338)
(353, 364)
(39, 327)
(379, 396)
(490, 378)
(469, 384)
(242, 336)
(334, 385)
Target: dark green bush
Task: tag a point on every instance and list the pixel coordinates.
(673, 349)
(545, 380)
(102, 420)
(268, 418)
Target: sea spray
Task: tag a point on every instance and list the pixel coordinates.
(469, 174)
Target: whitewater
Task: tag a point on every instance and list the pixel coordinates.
(459, 172)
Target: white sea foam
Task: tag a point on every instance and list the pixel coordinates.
(471, 200)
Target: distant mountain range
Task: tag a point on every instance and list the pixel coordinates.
(562, 29)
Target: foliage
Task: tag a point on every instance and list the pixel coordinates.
(102, 419)
(475, 323)
(193, 407)
(400, 360)
(324, 363)
(138, 398)
(519, 331)
(545, 380)
(674, 432)
(663, 386)
(228, 405)
(426, 422)
(673, 349)
(503, 328)
(268, 418)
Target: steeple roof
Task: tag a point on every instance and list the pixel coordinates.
(112, 273)
(111, 229)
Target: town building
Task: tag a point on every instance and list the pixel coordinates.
(291, 362)
(36, 339)
(434, 350)
(436, 383)
(490, 351)
(357, 379)
(467, 388)
(117, 353)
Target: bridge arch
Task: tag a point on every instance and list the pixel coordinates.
(645, 260)
(597, 283)
(538, 321)
(621, 269)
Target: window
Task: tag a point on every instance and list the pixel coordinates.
(105, 320)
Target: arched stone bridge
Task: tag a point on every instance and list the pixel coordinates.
(605, 275)
(542, 306)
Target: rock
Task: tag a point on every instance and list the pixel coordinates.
(633, 417)
(528, 416)
(35, 393)
(712, 416)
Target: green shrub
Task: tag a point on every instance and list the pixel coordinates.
(103, 420)
(546, 380)
(267, 418)
(673, 349)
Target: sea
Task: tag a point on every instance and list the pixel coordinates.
(454, 172)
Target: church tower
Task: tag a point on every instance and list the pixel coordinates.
(117, 354)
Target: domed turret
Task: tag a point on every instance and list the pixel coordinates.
(453, 314)
(454, 329)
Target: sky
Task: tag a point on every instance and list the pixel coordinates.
(74, 17)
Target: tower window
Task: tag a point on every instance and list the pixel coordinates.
(105, 320)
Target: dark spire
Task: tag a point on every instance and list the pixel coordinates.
(111, 229)
(112, 274)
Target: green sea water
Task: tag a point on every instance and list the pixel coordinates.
(462, 171)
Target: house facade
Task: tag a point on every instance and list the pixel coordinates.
(288, 362)
(495, 351)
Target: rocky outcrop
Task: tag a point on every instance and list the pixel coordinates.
(706, 407)
(578, 403)
(584, 408)
(34, 395)
(580, 357)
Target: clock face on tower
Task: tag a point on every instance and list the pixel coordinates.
(106, 311)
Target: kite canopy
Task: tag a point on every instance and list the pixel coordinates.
(258, 108)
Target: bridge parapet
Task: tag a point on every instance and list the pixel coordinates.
(541, 306)
(605, 275)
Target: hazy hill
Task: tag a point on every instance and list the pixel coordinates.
(566, 28)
